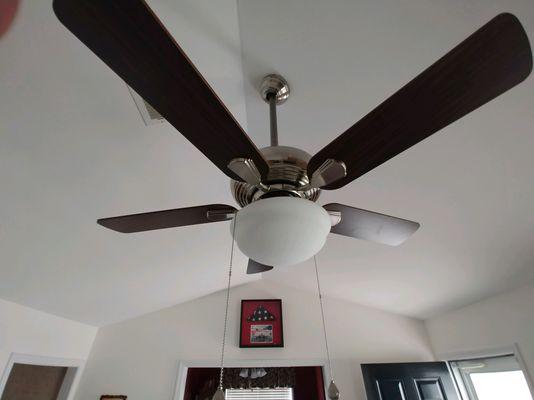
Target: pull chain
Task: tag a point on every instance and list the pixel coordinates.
(333, 392)
(219, 394)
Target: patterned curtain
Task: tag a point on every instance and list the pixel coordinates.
(243, 378)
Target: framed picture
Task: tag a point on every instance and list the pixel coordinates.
(113, 397)
(261, 323)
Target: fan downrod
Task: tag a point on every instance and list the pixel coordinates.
(287, 165)
(274, 90)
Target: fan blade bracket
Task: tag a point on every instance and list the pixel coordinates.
(246, 169)
(329, 171)
(220, 215)
(335, 217)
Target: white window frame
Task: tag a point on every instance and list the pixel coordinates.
(184, 366)
(465, 355)
(70, 382)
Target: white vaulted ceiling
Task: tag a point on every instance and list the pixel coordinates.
(73, 149)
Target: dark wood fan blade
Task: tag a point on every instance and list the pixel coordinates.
(130, 39)
(488, 63)
(256, 268)
(168, 218)
(372, 226)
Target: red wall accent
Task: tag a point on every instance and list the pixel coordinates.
(199, 379)
(308, 383)
(8, 10)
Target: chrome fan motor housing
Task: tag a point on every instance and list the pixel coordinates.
(287, 176)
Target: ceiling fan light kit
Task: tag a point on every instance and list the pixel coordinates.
(278, 185)
(281, 231)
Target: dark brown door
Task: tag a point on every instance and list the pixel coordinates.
(408, 381)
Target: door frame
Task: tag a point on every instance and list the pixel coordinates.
(184, 366)
(70, 382)
(512, 349)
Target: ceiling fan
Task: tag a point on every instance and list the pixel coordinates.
(277, 186)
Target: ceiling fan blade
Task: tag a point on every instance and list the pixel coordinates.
(371, 226)
(488, 63)
(256, 268)
(130, 39)
(169, 218)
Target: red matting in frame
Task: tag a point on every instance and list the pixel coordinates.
(261, 323)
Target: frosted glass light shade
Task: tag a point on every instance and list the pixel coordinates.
(281, 231)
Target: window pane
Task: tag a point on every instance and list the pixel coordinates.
(501, 385)
(259, 394)
(491, 378)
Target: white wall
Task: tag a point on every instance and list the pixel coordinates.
(499, 321)
(140, 357)
(27, 331)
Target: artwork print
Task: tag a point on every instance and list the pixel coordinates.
(261, 323)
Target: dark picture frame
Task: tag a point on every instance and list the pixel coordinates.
(261, 323)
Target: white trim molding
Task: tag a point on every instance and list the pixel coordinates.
(70, 382)
(184, 366)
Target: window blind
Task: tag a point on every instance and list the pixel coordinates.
(259, 394)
